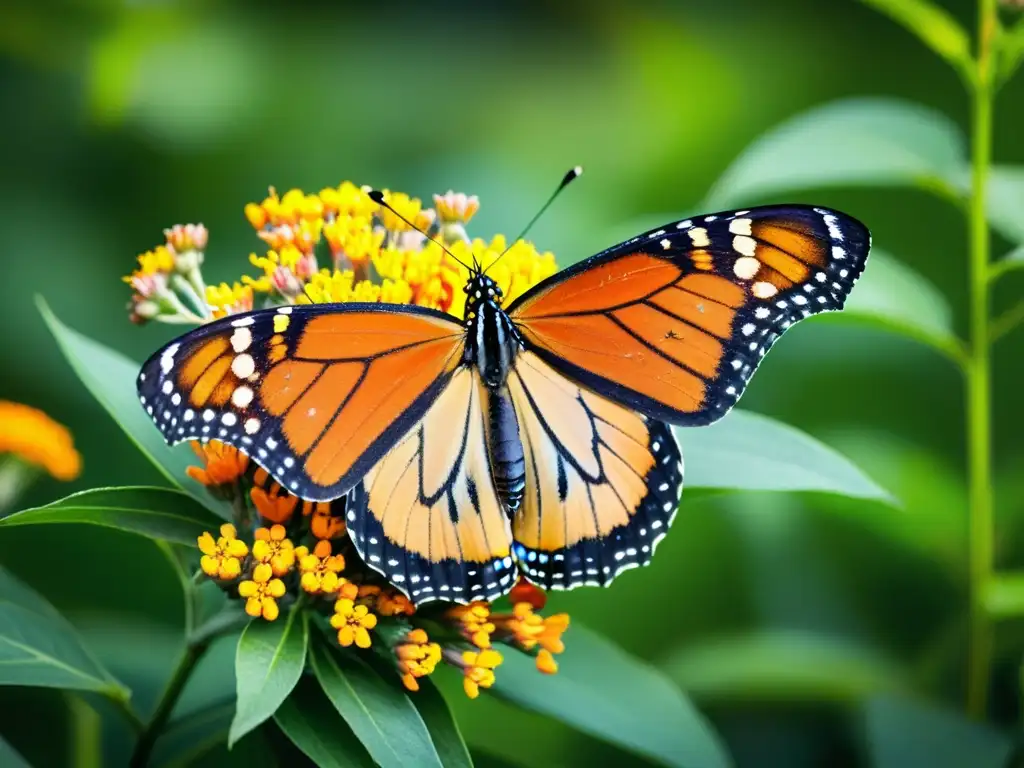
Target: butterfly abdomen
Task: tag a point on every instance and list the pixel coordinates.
(506, 449)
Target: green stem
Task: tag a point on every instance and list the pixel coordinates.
(186, 665)
(979, 427)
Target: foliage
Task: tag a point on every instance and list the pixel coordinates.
(341, 709)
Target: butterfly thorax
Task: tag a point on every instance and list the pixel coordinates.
(491, 338)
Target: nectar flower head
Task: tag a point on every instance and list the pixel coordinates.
(456, 207)
(417, 657)
(325, 523)
(521, 268)
(410, 208)
(320, 568)
(182, 238)
(222, 558)
(272, 547)
(227, 299)
(529, 630)
(223, 464)
(326, 287)
(273, 503)
(353, 242)
(353, 623)
(36, 439)
(478, 670)
(474, 621)
(262, 592)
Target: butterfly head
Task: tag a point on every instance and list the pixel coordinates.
(480, 289)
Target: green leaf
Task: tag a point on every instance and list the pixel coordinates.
(1006, 202)
(1004, 595)
(444, 731)
(602, 691)
(110, 378)
(309, 720)
(1013, 260)
(270, 658)
(852, 142)
(38, 647)
(1012, 50)
(187, 737)
(747, 451)
(158, 513)
(935, 27)
(892, 296)
(377, 710)
(902, 733)
(10, 757)
(782, 666)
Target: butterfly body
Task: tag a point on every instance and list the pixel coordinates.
(530, 438)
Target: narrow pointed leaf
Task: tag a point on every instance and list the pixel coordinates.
(110, 378)
(313, 725)
(852, 142)
(1006, 202)
(602, 691)
(268, 663)
(377, 710)
(892, 296)
(444, 731)
(38, 647)
(1012, 50)
(10, 757)
(158, 513)
(902, 733)
(782, 666)
(934, 26)
(747, 451)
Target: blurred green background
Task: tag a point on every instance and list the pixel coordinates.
(779, 614)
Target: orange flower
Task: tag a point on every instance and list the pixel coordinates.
(34, 437)
(272, 547)
(273, 503)
(474, 619)
(417, 657)
(262, 592)
(525, 592)
(325, 524)
(353, 623)
(478, 670)
(529, 630)
(222, 559)
(320, 568)
(223, 464)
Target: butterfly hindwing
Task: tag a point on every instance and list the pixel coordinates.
(674, 322)
(427, 515)
(602, 482)
(315, 394)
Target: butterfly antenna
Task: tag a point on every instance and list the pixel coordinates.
(572, 175)
(378, 197)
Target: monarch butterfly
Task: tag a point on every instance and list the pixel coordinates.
(531, 439)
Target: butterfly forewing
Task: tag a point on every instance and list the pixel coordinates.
(674, 322)
(314, 394)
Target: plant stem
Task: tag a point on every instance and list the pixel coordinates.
(189, 658)
(979, 424)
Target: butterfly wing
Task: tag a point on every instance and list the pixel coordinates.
(427, 515)
(674, 322)
(314, 394)
(602, 481)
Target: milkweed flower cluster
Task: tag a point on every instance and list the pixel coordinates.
(285, 553)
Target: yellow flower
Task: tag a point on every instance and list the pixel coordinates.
(529, 630)
(276, 211)
(521, 268)
(227, 299)
(353, 623)
(272, 502)
(391, 602)
(417, 657)
(478, 670)
(159, 261)
(223, 464)
(432, 276)
(347, 200)
(285, 271)
(271, 546)
(320, 568)
(409, 207)
(35, 438)
(327, 287)
(262, 592)
(222, 558)
(353, 241)
(475, 623)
